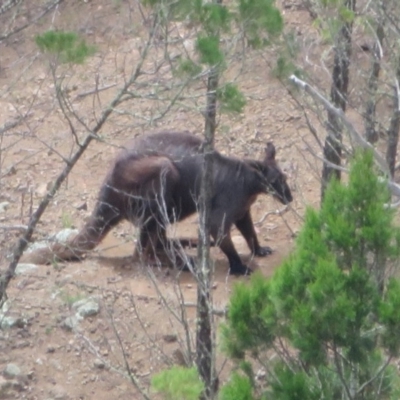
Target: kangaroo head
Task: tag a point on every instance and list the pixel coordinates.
(274, 180)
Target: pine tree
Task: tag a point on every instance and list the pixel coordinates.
(326, 325)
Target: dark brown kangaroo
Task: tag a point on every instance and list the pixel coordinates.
(155, 181)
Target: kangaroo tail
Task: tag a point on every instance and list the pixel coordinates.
(104, 217)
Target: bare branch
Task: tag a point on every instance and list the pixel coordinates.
(47, 9)
(35, 217)
(94, 91)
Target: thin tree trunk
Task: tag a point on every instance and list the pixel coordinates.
(370, 110)
(204, 337)
(339, 91)
(394, 126)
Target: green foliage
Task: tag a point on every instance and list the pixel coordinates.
(238, 388)
(260, 17)
(346, 14)
(231, 99)
(213, 17)
(188, 68)
(285, 67)
(359, 228)
(66, 46)
(258, 20)
(178, 383)
(209, 50)
(328, 300)
(249, 312)
(287, 53)
(293, 386)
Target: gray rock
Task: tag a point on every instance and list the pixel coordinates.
(60, 237)
(59, 393)
(11, 371)
(83, 308)
(261, 374)
(25, 268)
(3, 206)
(36, 246)
(6, 306)
(65, 234)
(70, 323)
(7, 322)
(86, 307)
(99, 364)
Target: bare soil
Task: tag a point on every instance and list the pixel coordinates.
(134, 326)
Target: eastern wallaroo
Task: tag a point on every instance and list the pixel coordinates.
(155, 181)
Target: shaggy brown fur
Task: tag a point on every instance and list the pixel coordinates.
(155, 181)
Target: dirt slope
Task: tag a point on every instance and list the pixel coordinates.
(87, 362)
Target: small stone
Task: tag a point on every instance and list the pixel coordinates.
(99, 364)
(59, 393)
(50, 349)
(86, 307)
(3, 206)
(83, 207)
(6, 306)
(11, 371)
(170, 338)
(11, 322)
(261, 374)
(69, 323)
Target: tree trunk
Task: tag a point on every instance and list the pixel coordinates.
(370, 110)
(394, 126)
(339, 89)
(205, 334)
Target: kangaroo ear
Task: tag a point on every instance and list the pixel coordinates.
(270, 152)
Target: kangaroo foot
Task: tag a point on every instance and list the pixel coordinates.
(263, 251)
